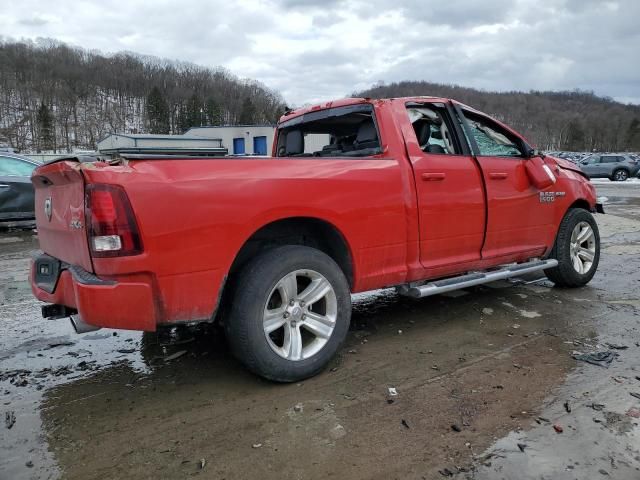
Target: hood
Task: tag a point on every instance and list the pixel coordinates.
(567, 165)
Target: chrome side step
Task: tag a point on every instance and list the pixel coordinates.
(475, 278)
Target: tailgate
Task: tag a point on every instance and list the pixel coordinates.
(59, 205)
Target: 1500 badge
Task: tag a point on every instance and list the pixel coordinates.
(548, 197)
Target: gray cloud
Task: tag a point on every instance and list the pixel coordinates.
(314, 50)
(33, 22)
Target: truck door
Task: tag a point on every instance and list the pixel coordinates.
(448, 185)
(518, 220)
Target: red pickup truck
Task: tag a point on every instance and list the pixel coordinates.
(423, 194)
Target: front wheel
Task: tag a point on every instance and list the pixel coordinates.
(289, 314)
(577, 249)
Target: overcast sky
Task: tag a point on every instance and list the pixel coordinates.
(313, 50)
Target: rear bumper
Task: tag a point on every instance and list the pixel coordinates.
(125, 304)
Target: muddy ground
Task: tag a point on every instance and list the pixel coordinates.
(482, 376)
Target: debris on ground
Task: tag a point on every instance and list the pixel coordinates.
(445, 472)
(175, 356)
(615, 346)
(392, 391)
(298, 407)
(9, 419)
(635, 394)
(558, 428)
(256, 445)
(567, 407)
(203, 462)
(522, 446)
(337, 432)
(60, 344)
(29, 464)
(456, 428)
(126, 350)
(404, 423)
(596, 406)
(601, 358)
(633, 412)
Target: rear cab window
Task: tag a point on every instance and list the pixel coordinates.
(349, 131)
(433, 129)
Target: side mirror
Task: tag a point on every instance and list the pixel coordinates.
(539, 173)
(532, 152)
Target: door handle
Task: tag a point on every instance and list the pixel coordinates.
(433, 177)
(498, 175)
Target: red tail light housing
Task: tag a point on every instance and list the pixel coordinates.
(111, 226)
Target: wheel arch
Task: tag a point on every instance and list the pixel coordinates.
(579, 203)
(623, 168)
(308, 231)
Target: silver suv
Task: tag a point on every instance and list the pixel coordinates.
(616, 167)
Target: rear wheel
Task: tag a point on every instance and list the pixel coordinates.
(620, 175)
(577, 249)
(290, 313)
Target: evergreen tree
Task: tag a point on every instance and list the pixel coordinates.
(183, 120)
(633, 136)
(213, 113)
(157, 112)
(248, 112)
(194, 111)
(575, 137)
(46, 129)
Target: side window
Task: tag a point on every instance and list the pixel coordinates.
(15, 167)
(492, 140)
(609, 159)
(349, 131)
(592, 160)
(433, 129)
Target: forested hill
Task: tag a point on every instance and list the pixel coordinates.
(574, 121)
(54, 97)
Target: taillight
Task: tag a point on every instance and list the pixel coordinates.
(111, 227)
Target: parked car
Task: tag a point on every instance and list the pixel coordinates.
(423, 194)
(16, 190)
(616, 167)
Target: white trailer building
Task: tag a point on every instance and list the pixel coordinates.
(238, 139)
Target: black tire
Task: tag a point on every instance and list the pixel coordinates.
(565, 274)
(253, 289)
(620, 175)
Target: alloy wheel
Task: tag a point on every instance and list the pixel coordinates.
(582, 247)
(300, 315)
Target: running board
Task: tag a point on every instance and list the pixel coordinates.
(476, 278)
